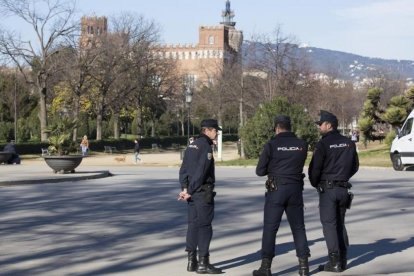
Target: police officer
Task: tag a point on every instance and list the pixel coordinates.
(334, 162)
(197, 183)
(282, 161)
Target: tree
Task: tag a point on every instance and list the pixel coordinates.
(16, 104)
(286, 68)
(398, 108)
(259, 129)
(124, 70)
(409, 95)
(50, 27)
(76, 63)
(371, 114)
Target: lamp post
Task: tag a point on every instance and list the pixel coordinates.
(15, 108)
(188, 100)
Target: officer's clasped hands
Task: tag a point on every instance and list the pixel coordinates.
(183, 196)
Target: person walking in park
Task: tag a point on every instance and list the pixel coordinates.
(197, 180)
(282, 160)
(136, 151)
(84, 145)
(333, 163)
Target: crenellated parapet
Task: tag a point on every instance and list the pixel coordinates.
(192, 53)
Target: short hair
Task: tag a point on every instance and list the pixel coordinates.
(203, 129)
(284, 125)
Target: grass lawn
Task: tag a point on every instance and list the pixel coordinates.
(375, 155)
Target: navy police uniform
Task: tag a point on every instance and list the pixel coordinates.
(333, 163)
(197, 176)
(282, 160)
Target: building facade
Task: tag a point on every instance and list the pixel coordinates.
(201, 63)
(217, 45)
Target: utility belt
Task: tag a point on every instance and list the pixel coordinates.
(209, 193)
(207, 186)
(329, 184)
(273, 182)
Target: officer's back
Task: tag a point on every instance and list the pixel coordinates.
(283, 157)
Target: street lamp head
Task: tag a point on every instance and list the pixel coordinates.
(188, 95)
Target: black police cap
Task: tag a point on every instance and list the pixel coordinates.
(282, 119)
(210, 123)
(327, 117)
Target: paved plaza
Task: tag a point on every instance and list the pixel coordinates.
(132, 224)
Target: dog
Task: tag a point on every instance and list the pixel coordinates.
(120, 158)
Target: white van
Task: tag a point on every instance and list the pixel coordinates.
(402, 148)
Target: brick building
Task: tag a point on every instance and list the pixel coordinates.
(200, 63)
(217, 45)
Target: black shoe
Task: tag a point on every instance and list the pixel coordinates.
(204, 267)
(264, 269)
(303, 266)
(192, 261)
(343, 260)
(333, 265)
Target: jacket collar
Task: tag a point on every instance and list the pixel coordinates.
(286, 134)
(332, 132)
(202, 135)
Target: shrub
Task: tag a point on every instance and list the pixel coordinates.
(259, 129)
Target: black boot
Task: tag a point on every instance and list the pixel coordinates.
(204, 266)
(264, 269)
(343, 260)
(333, 265)
(303, 266)
(192, 261)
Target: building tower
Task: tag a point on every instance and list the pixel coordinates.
(92, 30)
(228, 15)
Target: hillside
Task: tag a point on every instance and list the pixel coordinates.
(348, 66)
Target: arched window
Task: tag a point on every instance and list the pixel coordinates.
(211, 40)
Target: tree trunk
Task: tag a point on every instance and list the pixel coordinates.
(182, 127)
(76, 116)
(152, 128)
(116, 125)
(99, 117)
(139, 122)
(43, 114)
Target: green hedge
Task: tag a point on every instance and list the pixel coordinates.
(121, 144)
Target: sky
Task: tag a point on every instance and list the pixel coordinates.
(372, 28)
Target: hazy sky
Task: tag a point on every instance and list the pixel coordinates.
(381, 28)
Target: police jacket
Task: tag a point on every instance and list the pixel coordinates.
(335, 158)
(283, 157)
(198, 165)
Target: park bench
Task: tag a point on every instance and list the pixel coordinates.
(109, 149)
(45, 152)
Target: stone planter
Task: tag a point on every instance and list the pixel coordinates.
(63, 163)
(4, 156)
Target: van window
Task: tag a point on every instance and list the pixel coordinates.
(407, 127)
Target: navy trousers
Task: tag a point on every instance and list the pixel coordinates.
(200, 231)
(288, 198)
(332, 209)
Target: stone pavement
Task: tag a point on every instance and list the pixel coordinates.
(131, 224)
